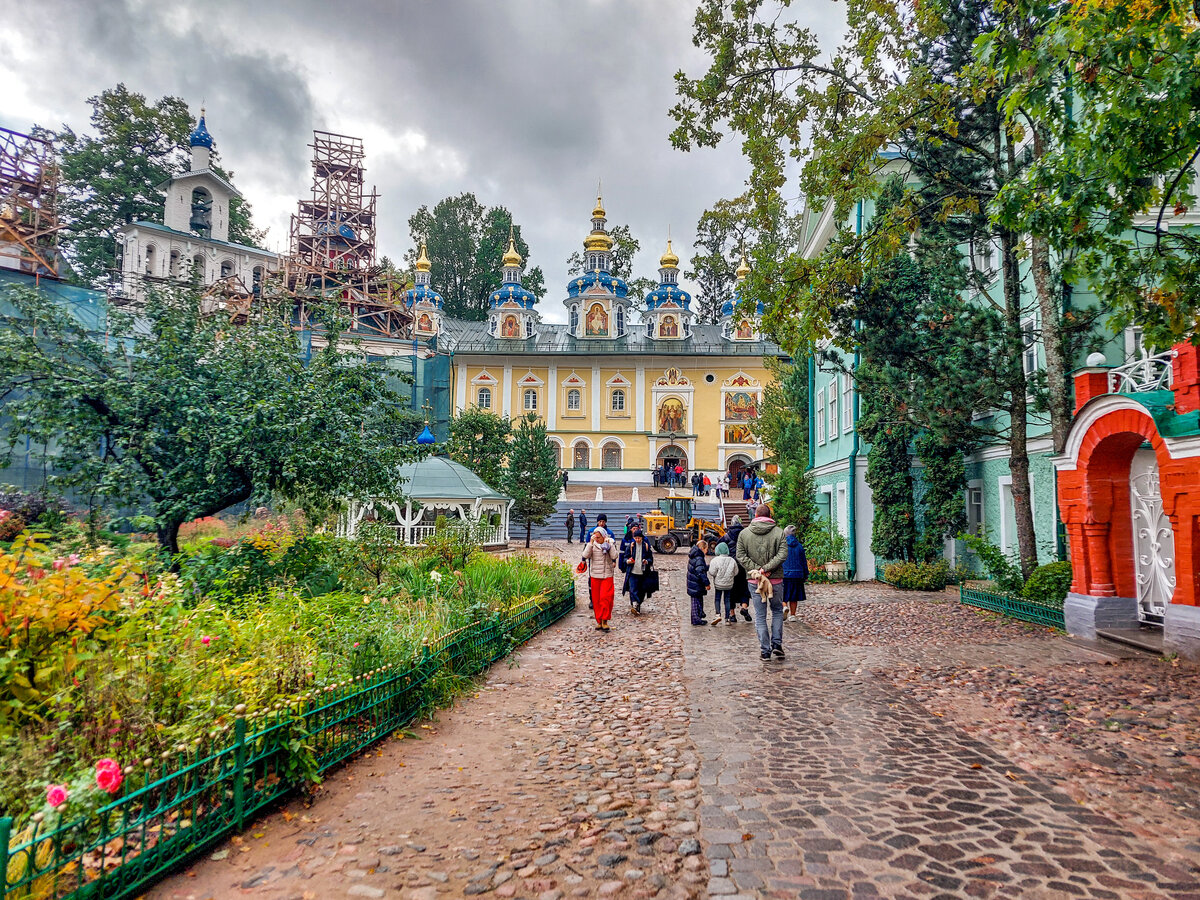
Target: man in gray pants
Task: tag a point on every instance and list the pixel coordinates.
(762, 547)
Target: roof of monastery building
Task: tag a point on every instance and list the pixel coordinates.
(705, 340)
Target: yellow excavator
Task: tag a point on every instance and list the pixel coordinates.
(672, 525)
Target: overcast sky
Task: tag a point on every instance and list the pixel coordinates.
(525, 103)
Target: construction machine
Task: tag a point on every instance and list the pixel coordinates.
(672, 525)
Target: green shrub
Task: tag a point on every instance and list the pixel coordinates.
(918, 576)
(1048, 584)
(1005, 572)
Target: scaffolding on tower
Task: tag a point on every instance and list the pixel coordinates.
(332, 244)
(28, 204)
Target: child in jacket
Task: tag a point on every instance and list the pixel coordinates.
(697, 581)
(723, 571)
(795, 572)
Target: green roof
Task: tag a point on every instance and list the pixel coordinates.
(439, 478)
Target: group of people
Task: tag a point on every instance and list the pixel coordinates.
(760, 567)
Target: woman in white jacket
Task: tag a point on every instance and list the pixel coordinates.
(723, 570)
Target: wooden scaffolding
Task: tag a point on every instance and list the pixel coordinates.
(28, 204)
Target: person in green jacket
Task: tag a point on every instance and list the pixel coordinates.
(762, 548)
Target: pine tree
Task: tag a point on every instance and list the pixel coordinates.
(531, 477)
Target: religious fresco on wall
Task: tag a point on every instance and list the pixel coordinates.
(741, 406)
(671, 416)
(511, 327)
(596, 323)
(669, 327)
(425, 323)
(738, 434)
(745, 331)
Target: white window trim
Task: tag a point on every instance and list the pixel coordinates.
(623, 409)
(976, 484)
(525, 395)
(847, 404)
(578, 407)
(479, 397)
(833, 410)
(820, 416)
(1030, 324)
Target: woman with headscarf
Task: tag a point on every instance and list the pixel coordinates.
(740, 595)
(795, 572)
(636, 561)
(600, 554)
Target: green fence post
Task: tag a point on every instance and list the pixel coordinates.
(5, 831)
(239, 763)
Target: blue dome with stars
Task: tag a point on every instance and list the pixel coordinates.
(415, 295)
(728, 307)
(512, 293)
(606, 280)
(200, 136)
(668, 293)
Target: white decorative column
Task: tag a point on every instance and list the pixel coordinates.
(506, 409)
(639, 411)
(595, 398)
(552, 399)
(460, 389)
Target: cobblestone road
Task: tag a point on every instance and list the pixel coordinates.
(663, 760)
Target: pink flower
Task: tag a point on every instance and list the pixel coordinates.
(205, 640)
(356, 643)
(108, 776)
(56, 795)
(73, 559)
(60, 564)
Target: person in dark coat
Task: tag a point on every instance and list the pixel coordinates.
(740, 595)
(570, 526)
(636, 561)
(583, 532)
(795, 573)
(697, 580)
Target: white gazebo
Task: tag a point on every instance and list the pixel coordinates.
(437, 486)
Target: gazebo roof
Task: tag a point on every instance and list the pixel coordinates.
(439, 478)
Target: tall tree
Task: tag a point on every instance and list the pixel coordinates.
(782, 426)
(625, 248)
(192, 415)
(465, 241)
(112, 177)
(479, 440)
(903, 78)
(531, 476)
(723, 233)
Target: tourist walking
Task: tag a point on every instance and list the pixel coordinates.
(795, 572)
(571, 526)
(695, 484)
(697, 581)
(747, 487)
(740, 595)
(636, 561)
(600, 554)
(761, 550)
(707, 484)
(564, 480)
(759, 484)
(583, 532)
(679, 474)
(602, 522)
(723, 570)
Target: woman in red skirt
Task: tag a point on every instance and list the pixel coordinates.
(600, 554)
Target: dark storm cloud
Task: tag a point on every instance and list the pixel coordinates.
(524, 102)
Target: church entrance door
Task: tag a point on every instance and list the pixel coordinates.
(671, 456)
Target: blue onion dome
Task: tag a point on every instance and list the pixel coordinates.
(200, 136)
(421, 292)
(668, 293)
(426, 436)
(606, 280)
(512, 293)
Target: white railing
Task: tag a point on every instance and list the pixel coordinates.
(1148, 373)
(485, 534)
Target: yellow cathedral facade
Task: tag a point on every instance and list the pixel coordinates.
(620, 399)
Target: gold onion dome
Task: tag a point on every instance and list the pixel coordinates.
(598, 212)
(743, 268)
(669, 260)
(423, 263)
(597, 240)
(511, 256)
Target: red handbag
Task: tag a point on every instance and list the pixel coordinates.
(581, 568)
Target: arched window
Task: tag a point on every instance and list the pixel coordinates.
(611, 457)
(485, 398)
(151, 259)
(174, 263)
(530, 400)
(574, 317)
(574, 400)
(582, 455)
(198, 268)
(226, 268)
(258, 280)
(618, 400)
(529, 328)
(557, 454)
(201, 221)
(620, 320)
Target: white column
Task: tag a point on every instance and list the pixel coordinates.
(691, 450)
(506, 408)
(595, 398)
(691, 402)
(552, 399)
(653, 460)
(460, 389)
(639, 398)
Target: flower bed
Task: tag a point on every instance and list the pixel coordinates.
(157, 721)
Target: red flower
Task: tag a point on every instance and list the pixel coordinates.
(108, 776)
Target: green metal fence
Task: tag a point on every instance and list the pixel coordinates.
(1017, 607)
(200, 794)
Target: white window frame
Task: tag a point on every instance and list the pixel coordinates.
(847, 404)
(578, 398)
(483, 399)
(1029, 344)
(975, 498)
(530, 395)
(819, 409)
(833, 409)
(614, 405)
(1135, 347)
